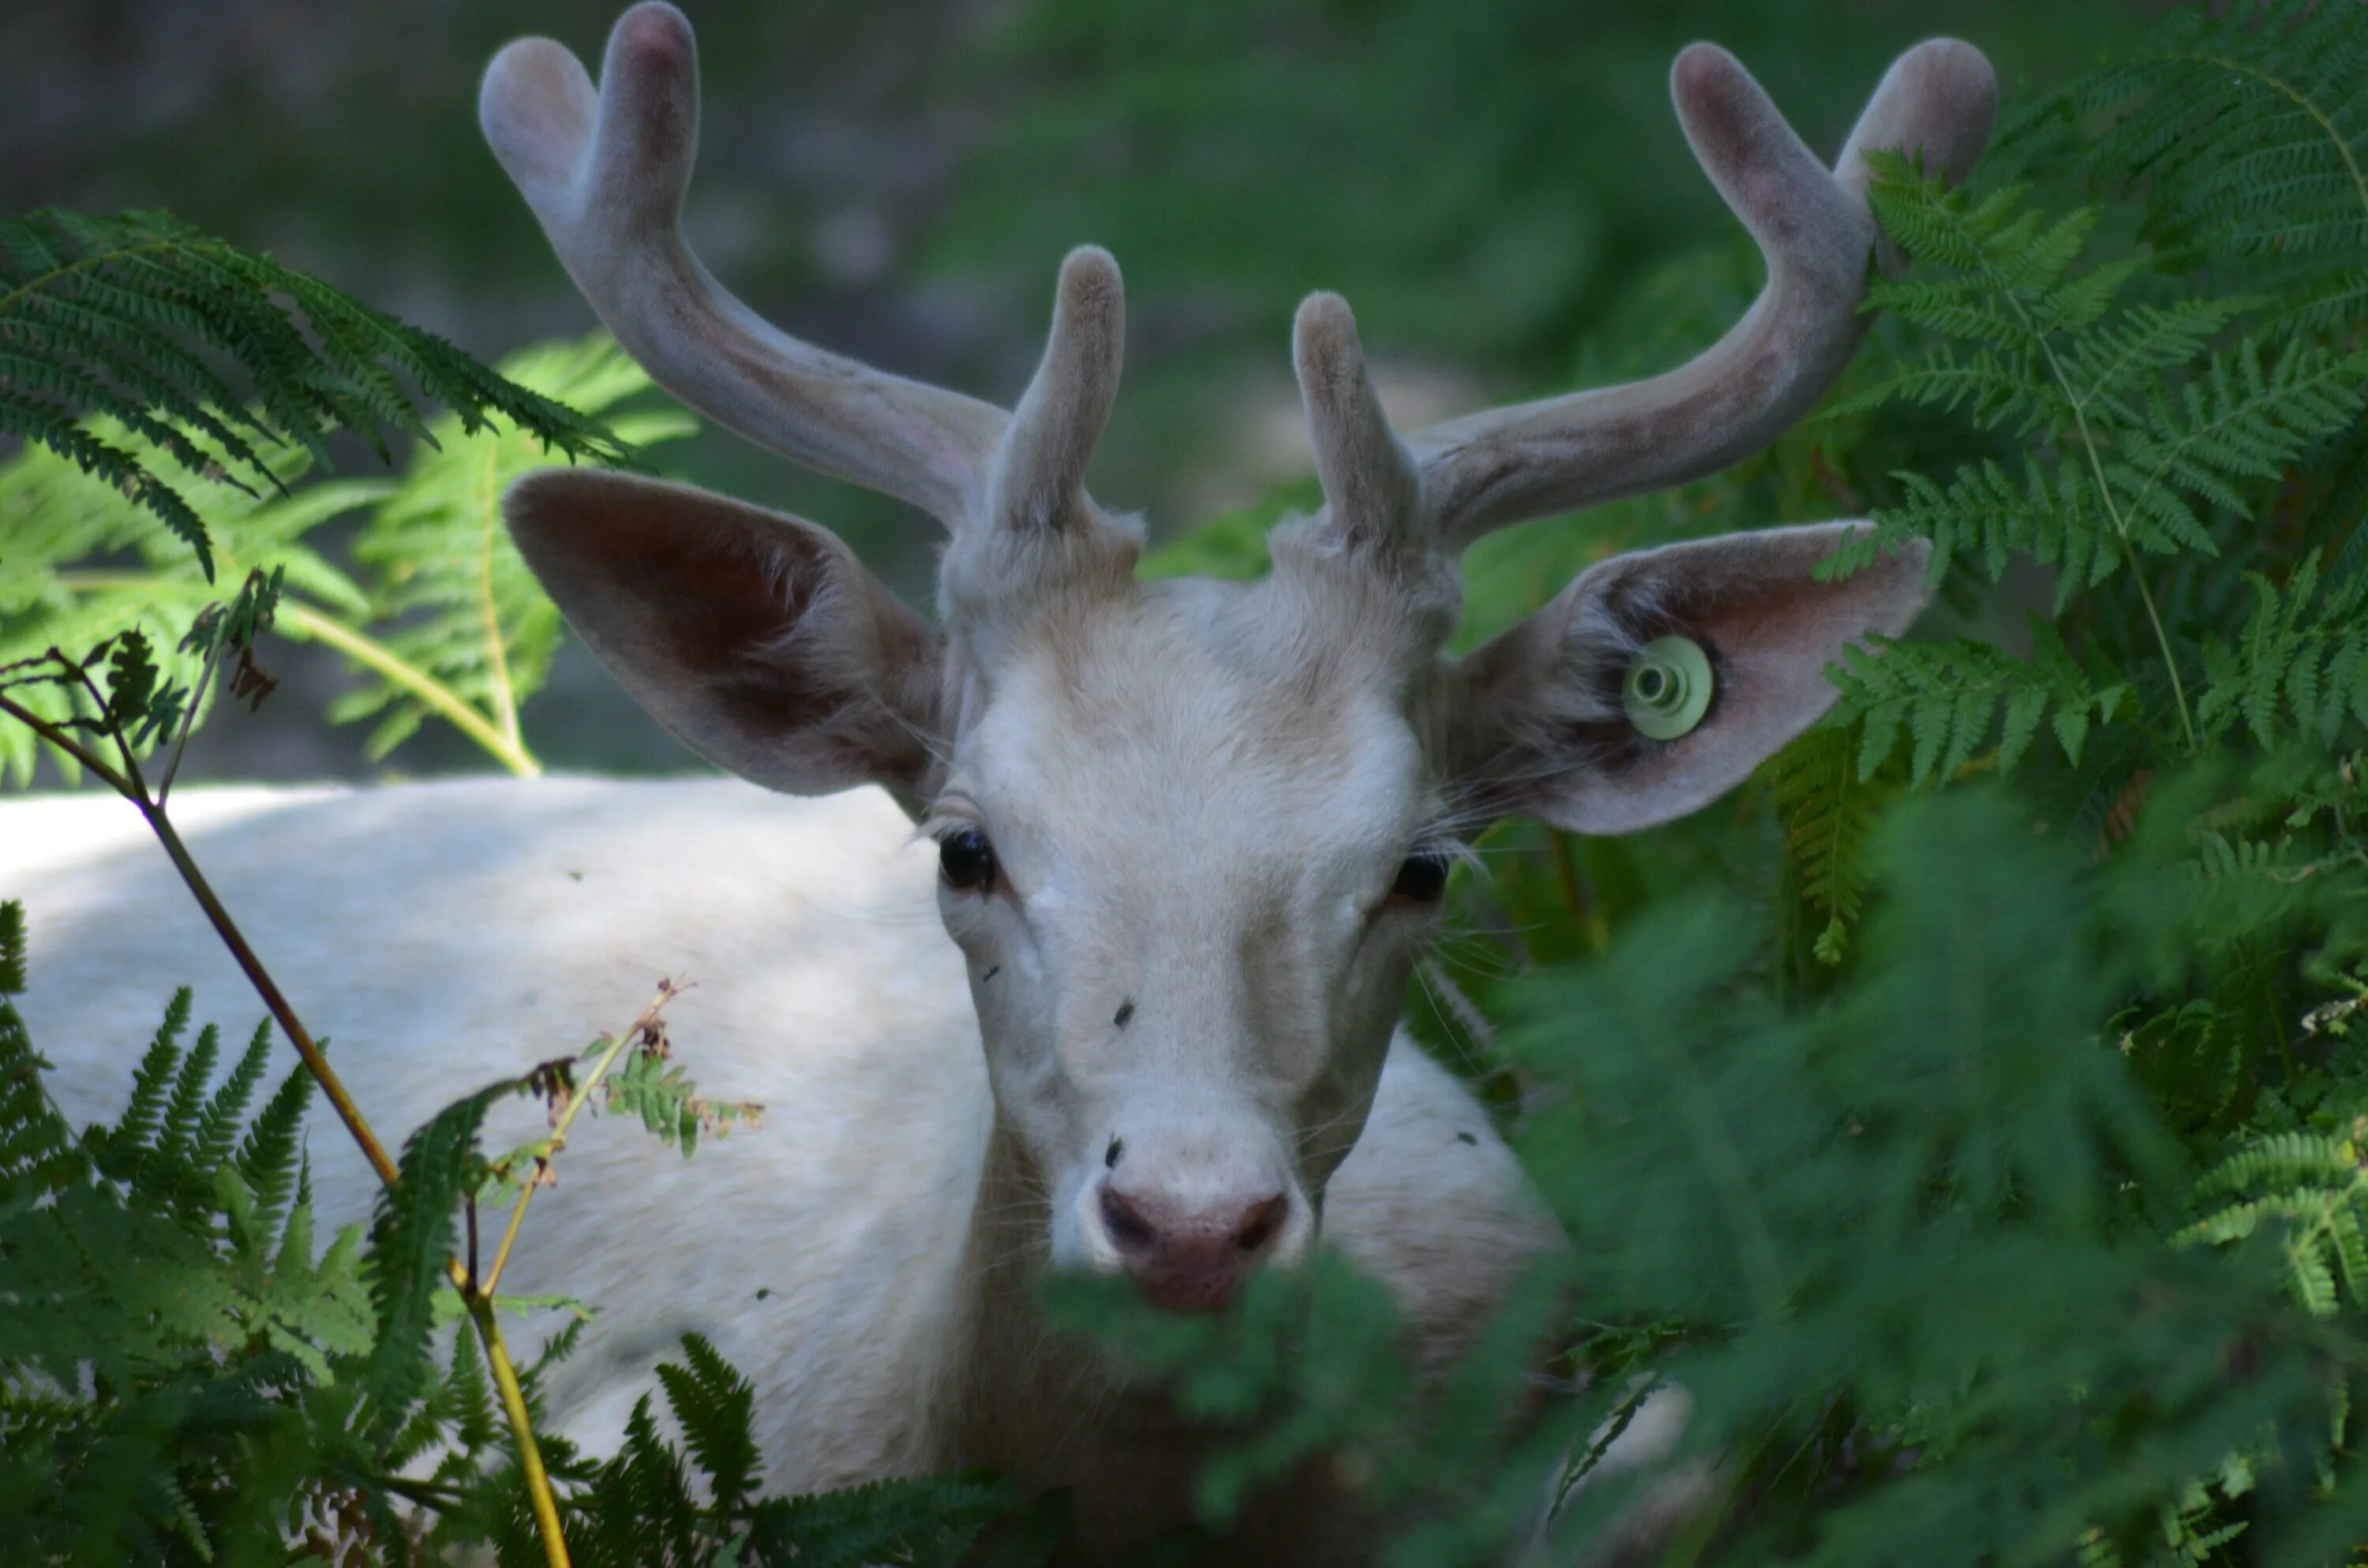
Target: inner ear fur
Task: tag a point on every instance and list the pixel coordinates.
(1542, 730)
(757, 637)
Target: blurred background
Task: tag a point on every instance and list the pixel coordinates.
(1498, 185)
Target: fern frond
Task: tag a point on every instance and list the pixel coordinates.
(2315, 1186)
(1950, 697)
(1829, 812)
(80, 563)
(176, 1139)
(1983, 515)
(2248, 133)
(36, 1151)
(467, 610)
(410, 1237)
(270, 1157)
(2236, 421)
(2303, 660)
(117, 316)
(715, 1405)
(219, 1126)
(119, 1148)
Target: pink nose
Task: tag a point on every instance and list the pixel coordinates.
(1191, 1260)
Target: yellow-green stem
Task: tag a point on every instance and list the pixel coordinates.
(309, 622)
(538, 1480)
(304, 621)
(498, 664)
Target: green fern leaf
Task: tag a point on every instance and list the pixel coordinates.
(1829, 812)
(117, 316)
(467, 611)
(715, 1406)
(2302, 663)
(2246, 129)
(410, 1240)
(269, 1159)
(1950, 697)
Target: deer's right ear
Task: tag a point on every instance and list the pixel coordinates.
(757, 639)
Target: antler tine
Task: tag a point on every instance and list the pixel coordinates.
(1500, 467)
(1370, 484)
(1040, 475)
(605, 171)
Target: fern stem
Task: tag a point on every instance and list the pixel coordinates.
(366, 649)
(638, 1029)
(83, 757)
(2113, 512)
(537, 1480)
(504, 701)
(2302, 101)
(306, 622)
(268, 989)
(81, 264)
(227, 929)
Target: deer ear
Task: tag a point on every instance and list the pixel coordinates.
(757, 639)
(1559, 720)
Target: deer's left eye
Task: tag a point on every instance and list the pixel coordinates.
(1422, 879)
(967, 861)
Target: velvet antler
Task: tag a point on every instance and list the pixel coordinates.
(605, 170)
(1488, 469)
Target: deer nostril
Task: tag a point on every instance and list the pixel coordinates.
(1260, 1223)
(1128, 1231)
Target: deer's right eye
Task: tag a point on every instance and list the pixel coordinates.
(967, 860)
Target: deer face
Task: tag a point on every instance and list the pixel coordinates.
(1191, 866)
(1194, 835)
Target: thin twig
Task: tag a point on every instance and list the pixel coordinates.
(198, 690)
(83, 757)
(267, 988)
(639, 1029)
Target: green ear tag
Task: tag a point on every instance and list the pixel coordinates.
(1667, 688)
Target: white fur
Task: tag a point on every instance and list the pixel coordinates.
(443, 935)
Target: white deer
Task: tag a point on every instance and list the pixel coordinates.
(1188, 836)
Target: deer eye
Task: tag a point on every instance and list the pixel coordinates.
(1422, 879)
(967, 860)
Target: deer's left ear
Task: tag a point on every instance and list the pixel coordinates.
(757, 637)
(1594, 716)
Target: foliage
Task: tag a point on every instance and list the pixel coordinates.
(1947, 1225)
(127, 317)
(463, 610)
(185, 1377)
(1962, 1124)
(442, 616)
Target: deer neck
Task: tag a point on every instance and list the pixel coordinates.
(1033, 1402)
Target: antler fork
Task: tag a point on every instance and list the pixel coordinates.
(605, 171)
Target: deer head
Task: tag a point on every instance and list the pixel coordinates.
(1194, 834)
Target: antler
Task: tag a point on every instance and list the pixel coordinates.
(1492, 469)
(1371, 487)
(605, 171)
